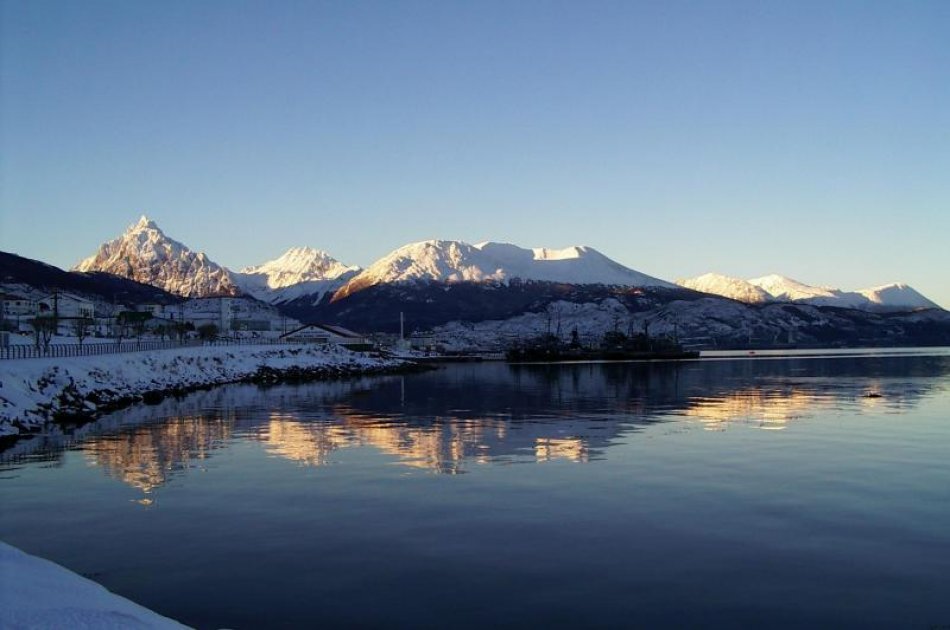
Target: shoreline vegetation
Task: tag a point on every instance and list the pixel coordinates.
(35, 393)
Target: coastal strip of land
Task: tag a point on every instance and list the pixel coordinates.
(36, 593)
(37, 392)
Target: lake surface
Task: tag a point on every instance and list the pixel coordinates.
(728, 492)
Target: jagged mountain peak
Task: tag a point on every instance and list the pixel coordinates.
(145, 254)
(299, 264)
(144, 223)
(313, 264)
(298, 272)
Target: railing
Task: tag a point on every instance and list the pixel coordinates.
(63, 350)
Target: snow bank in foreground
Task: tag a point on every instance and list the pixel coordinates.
(36, 594)
(35, 391)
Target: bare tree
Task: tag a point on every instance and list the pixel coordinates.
(43, 329)
(81, 328)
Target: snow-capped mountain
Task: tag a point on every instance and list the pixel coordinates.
(777, 288)
(896, 295)
(457, 261)
(300, 271)
(727, 286)
(785, 289)
(145, 254)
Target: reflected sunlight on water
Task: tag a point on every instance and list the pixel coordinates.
(542, 414)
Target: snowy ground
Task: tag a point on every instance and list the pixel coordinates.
(38, 594)
(34, 391)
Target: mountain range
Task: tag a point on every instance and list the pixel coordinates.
(145, 254)
(777, 288)
(304, 275)
(488, 293)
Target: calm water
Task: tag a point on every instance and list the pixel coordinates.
(717, 493)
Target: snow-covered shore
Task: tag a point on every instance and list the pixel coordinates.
(37, 593)
(34, 392)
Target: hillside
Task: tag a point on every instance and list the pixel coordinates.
(19, 275)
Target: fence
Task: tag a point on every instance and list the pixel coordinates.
(63, 350)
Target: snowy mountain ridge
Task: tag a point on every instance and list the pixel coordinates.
(145, 254)
(309, 276)
(727, 286)
(298, 272)
(299, 264)
(457, 261)
(778, 288)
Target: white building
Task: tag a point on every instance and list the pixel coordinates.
(232, 314)
(65, 306)
(15, 306)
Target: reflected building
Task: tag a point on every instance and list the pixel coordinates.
(571, 449)
(441, 446)
(755, 407)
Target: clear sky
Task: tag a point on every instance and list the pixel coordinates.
(805, 138)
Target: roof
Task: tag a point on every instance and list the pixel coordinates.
(13, 296)
(65, 296)
(339, 331)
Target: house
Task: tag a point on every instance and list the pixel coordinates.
(15, 306)
(65, 306)
(327, 334)
(232, 314)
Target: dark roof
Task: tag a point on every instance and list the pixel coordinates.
(12, 296)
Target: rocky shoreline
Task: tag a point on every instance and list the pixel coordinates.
(37, 392)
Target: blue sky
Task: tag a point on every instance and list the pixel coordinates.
(805, 138)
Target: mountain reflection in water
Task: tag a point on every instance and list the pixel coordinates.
(448, 420)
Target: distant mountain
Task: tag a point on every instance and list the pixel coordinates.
(457, 261)
(301, 272)
(897, 295)
(727, 286)
(32, 278)
(777, 288)
(145, 254)
(785, 289)
(445, 282)
(492, 315)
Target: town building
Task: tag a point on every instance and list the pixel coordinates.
(65, 306)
